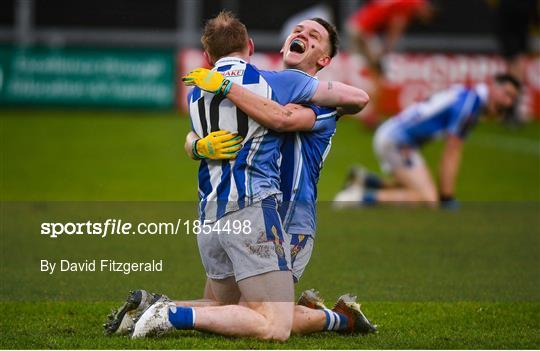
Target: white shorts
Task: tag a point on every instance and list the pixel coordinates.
(259, 250)
(391, 155)
(301, 250)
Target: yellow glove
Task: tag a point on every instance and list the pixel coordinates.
(211, 81)
(219, 145)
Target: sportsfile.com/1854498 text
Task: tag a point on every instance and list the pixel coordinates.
(120, 227)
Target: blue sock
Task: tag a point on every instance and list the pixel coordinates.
(370, 197)
(335, 321)
(182, 317)
(372, 181)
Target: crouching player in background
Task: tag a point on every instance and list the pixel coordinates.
(450, 114)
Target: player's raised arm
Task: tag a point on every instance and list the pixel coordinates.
(266, 112)
(449, 166)
(348, 99)
(269, 113)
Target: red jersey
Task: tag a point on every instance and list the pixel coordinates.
(374, 16)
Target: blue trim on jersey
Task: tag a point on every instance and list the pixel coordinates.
(268, 154)
(331, 115)
(251, 75)
(325, 124)
(195, 94)
(239, 173)
(224, 68)
(189, 99)
(287, 172)
(321, 111)
(189, 96)
(322, 114)
(303, 156)
(224, 188)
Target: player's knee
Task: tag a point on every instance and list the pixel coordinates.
(271, 331)
(280, 333)
(282, 336)
(429, 197)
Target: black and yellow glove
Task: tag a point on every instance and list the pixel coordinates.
(207, 80)
(219, 145)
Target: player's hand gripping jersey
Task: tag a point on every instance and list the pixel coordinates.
(226, 186)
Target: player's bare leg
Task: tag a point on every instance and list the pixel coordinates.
(416, 186)
(307, 320)
(269, 296)
(308, 315)
(411, 185)
(265, 311)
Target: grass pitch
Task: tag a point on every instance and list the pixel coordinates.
(429, 279)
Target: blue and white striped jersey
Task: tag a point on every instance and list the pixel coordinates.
(226, 186)
(303, 154)
(453, 111)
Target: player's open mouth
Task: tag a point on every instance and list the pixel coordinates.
(297, 46)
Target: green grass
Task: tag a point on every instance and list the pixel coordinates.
(83, 155)
(62, 325)
(430, 279)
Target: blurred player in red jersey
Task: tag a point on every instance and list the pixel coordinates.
(384, 20)
(388, 18)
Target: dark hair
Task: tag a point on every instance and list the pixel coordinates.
(502, 78)
(332, 34)
(224, 34)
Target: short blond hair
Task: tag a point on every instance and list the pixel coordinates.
(223, 35)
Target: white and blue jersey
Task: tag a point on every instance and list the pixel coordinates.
(226, 186)
(454, 111)
(303, 154)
